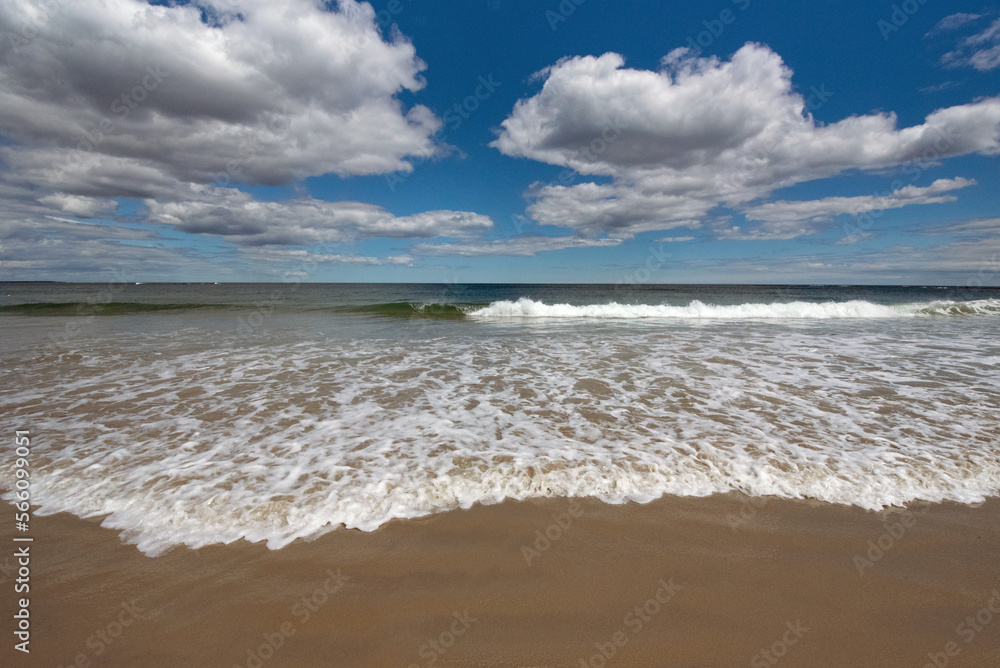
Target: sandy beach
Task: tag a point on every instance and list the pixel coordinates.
(718, 581)
(499, 334)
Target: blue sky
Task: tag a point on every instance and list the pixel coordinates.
(501, 141)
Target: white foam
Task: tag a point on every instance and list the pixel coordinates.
(289, 440)
(529, 308)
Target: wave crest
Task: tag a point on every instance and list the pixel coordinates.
(529, 308)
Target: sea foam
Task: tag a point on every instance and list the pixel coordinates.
(177, 441)
(529, 308)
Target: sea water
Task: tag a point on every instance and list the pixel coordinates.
(192, 414)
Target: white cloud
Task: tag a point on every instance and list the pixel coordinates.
(239, 218)
(38, 249)
(283, 91)
(105, 99)
(308, 259)
(672, 240)
(85, 252)
(699, 133)
(967, 253)
(522, 245)
(786, 229)
(621, 210)
(954, 22)
(828, 207)
(982, 228)
(52, 228)
(960, 263)
(82, 207)
(937, 88)
(980, 51)
(853, 238)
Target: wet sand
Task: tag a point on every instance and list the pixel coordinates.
(714, 581)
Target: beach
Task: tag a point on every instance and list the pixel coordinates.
(387, 475)
(746, 580)
(506, 334)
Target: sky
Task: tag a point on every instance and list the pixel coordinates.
(545, 141)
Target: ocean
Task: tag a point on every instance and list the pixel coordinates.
(196, 414)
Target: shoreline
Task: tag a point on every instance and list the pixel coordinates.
(681, 581)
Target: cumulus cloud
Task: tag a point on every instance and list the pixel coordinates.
(171, 103)
(701, 132)
(238, 217)
(21, 208)
(619, 209)
(278, 92)
(521, 245)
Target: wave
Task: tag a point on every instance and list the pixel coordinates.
(529, 308)
(409, 310)
(106, 308)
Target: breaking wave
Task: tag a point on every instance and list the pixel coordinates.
(529, 308)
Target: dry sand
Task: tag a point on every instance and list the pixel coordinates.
(711, 581)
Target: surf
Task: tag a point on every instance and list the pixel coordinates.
(801, 310)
